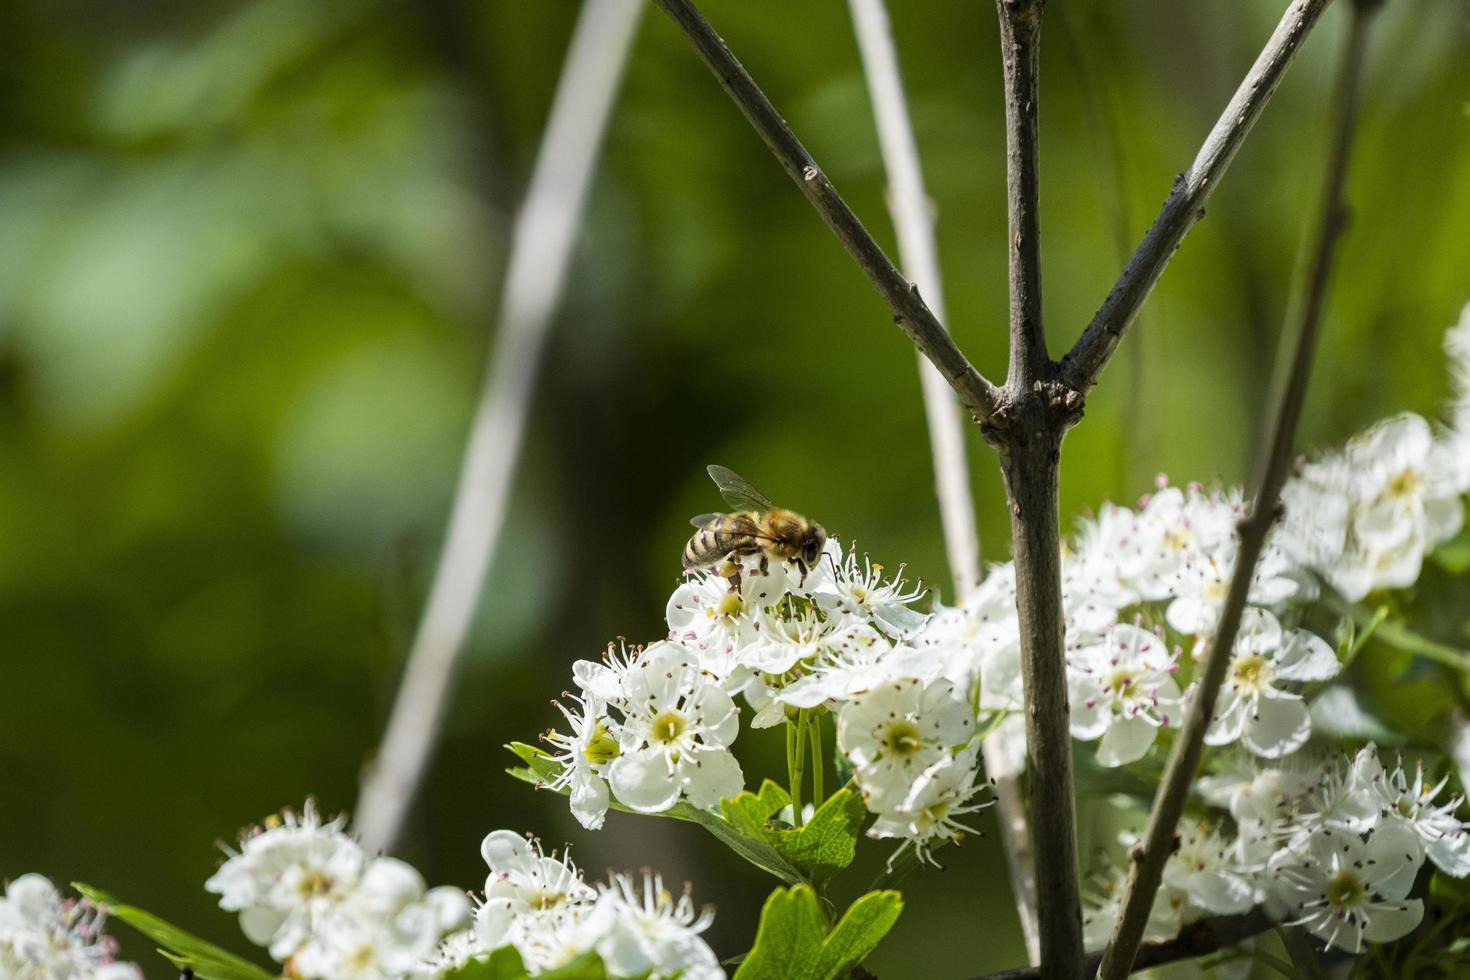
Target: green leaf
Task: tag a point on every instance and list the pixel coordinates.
(506, 964)
(185, 950)
(818, 850)
(794, 942)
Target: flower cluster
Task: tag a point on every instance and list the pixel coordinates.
(307, 891)
(539, 905)
(1335, 849)
(43, 935)
(652, 727)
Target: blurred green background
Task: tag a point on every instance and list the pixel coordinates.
(249, 256)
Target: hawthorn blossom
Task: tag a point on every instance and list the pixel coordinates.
(931, 813)
(676, 736)
(1346, 891)
(647, 932)
(1270, 721)
(1411, 803)
(44, 936)
(308, 892)
(862, 592)
(897, 731)
(1208, 869)
(584, 754)
(1122, 691)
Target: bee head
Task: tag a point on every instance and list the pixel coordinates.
(811, 547)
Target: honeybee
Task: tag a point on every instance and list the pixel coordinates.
(759, 527)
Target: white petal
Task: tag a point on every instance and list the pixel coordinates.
(1278, 727)
(1222, 894)
(1089, 722)
(1451, 854)
(1127, 740)
(505, 849)
(1393, 921)
(1306, 657)
(1397, 856)
(710, 777)
(1229, 720)
(589, 801)
(641, 781)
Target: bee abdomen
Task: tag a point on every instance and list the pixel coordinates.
(725, 534)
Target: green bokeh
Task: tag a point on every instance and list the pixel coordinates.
(249, 255)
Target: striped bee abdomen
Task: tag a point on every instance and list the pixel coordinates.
(727, 534)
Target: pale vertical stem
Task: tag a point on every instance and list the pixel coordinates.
(913, 220)
(541, 247)
(1152, 852)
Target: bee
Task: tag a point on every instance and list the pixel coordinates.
(759, 527)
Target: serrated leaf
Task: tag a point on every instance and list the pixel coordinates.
(184, 949)
(819, 849)
(793, 941)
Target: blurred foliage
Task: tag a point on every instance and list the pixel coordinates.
(248, 258)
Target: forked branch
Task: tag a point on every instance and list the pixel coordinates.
(903, 299)
(1185, 205)
(1150, 854)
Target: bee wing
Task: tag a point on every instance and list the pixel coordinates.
(737, 490)
(702, 519)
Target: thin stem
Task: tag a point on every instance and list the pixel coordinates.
(819, 761)
(1185, 205)
(793, 774)
(913, 221)
(1159, 839)
(1394, 634)
(1195, 940)
(908, 308)
(798, 765)
(541, 246)
(1020, 48)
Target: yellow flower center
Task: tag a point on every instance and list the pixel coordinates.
(601, 747)
(668, 726)
(1345, 889)
(1251, 673)
(902, 738)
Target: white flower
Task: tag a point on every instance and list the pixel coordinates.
(1103, 900)
(1173, 531)
(604, 681)
(805, 638)
(896, 732)
(1122, 691)
(862, 592)
(1251, 708)
(1092, 587)
(1205, 868)
(931, 813)
(1257, 794)
(1202, 583)
(705, 614)
(1411, 803)
(1345, 891)
(585, 753)
(676, 735)
(45, 937)
(646, 932)
(523, 886)
(854, 671)
(288, 877)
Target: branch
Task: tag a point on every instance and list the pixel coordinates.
(545, 232)
(914, 222)
(908, 308)
(1159, 840)
(1028, 433)
(1196, 939)
(1185, 204)
(1020, 48)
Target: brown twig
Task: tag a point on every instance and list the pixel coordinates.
(903, 299)
(1185, 204)
(1151, 853)
(1196, 939)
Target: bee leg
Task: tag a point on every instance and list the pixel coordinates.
(765, 564)
(802, 565)
(731, 571)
